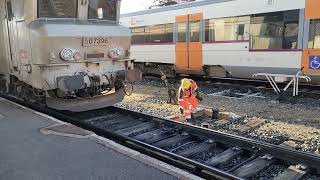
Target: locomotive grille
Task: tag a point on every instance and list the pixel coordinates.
(95, 56)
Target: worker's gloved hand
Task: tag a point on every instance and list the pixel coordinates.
(163, 77)
(181, 111)
(199, 98)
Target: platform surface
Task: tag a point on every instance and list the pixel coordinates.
(27, 153)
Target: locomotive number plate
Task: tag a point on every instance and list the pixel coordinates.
(95, 41)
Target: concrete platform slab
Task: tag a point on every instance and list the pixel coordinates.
(68, 130)
(26, 153)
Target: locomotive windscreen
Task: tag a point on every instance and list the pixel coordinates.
(103, 9)
(57, 8)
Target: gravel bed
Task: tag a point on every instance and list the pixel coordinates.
(271, 135)
(141, 132)
(150, 101)
(183, 147)
(270, 173)
(96, 113)
(236, 161)
(305, 111)
(307, 138)
(115, 126)
(174, 146)
(204, 156)
(311, 177)
(297, 121)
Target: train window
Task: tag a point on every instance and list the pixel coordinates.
(221, 29)
(240, 31)
(147, 34)
(182, 30)
(290, 37)
(158, 34)
(195, 31)
(227, 29)
(103, 9)
(138, 35)
(314, 36)
(161, 33)
(210, 31)
(169, 33)
(57, 8)
(153, 34)
(277, 30)
(242, 27)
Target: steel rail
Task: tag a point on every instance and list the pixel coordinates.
(202, 170)
(313, 91)
(169, 157)
(281, 152)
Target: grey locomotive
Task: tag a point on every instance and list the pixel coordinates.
(68, 54)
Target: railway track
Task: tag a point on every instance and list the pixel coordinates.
(256, 86)
(305, 90)
(207, 153)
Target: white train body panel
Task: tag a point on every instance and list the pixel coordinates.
(228, 8)
(237, 54)
(237, 57)
(154, 53)
(224, 54)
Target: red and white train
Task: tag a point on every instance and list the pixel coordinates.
(228, 38)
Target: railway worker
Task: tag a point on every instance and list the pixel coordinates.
(188, 98)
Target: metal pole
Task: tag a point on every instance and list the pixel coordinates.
(275, 84)
(274, 88)
(286, 88)
(294, 86)
(297, 91)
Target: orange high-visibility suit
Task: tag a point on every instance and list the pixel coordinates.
(188, 102)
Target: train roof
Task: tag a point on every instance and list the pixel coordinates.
(175, 7)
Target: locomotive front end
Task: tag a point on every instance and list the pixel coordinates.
(86, 61)
(79, 54)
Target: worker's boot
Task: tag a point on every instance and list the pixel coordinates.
(189, 119)
(215, 114)
(192, 117)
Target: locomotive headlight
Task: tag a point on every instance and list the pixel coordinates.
(77, 55)
(66, 54)
(116, 53)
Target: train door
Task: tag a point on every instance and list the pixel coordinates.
(12, 36)
(311, 47)
(189, 43)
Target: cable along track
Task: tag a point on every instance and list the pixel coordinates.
(206, 153)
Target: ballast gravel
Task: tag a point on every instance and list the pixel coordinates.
(298, 122)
